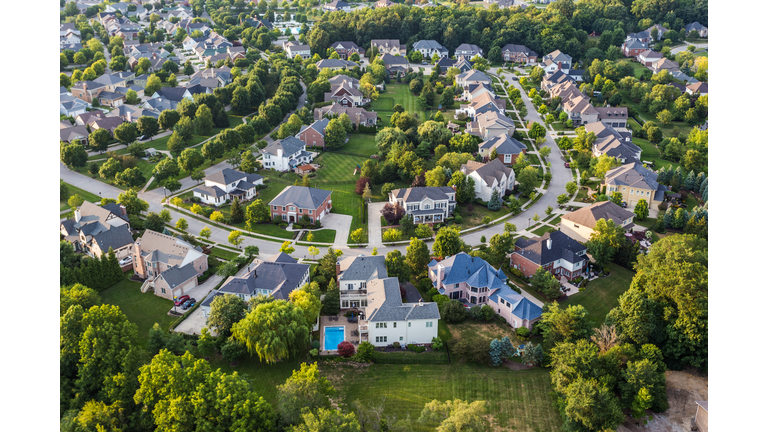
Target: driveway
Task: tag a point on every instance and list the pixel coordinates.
(193, 324)
(341, 223)
(374, 224)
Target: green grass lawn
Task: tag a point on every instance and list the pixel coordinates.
(264, 378)
(397, 94)
(543, 230)
(143, 309)
(601, 295)
(519, 400)
(361, 144)
(224, 254)
(74, 190)
(321, 236)
(122, 151)
(651, 153)
(702, 54)
(338, 168)
(477, 214)
(636, 67)
(162, 142)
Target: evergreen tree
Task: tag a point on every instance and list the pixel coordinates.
(678, 176)
(669, 218)
(237, 212)
(699, 180)
(690, 181)
(495, 203)
(703, 186)
(331, 301)
(705, 194)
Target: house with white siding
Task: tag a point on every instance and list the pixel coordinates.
(425, 204)
(428, 48)
(353, 275)
(286, 154)
(227, 185)
(489, 177)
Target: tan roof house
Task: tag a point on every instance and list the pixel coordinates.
(665, 63)
(492, 124)
(389, 46)
(635, 182)
(580, 225)
(580, 110)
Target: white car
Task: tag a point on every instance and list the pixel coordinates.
(126, 260)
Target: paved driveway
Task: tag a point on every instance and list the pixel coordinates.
(341, 224)
(374, 224)
(194, 322)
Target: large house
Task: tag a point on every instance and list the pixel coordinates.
(276, 276)
(556, 61)
(346, 49)
(475, 89)
(297, 201)
(703, 31)
(425, 204)
(507, 148)
(395, 65)
(665, 64)
(294, 49)
(68, 34)
(580, 225)
(633, 48)
(346, 93)
(580, 110)
(429, 48)
(472, 76)
(335, 64)
(286, 154)
(615, 117)
(388, 319)
(519, 54)
(389, 46)
(461, 64)
(473, 281)
(649, 57)
(612, 143)
(95, 229)
(485, 103)
(492, 124)
(227, 185)
(337, 5)
(359, 116)
(555, 251)
(489, 177)
(87, 90)
(169, 264)
(635, 182)
(353, 274)
(467, 51)
(314, 134)
(699, 88)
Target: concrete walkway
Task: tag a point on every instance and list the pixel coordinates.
(374, 224)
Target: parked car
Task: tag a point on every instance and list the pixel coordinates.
(188, 304)
(126, 260)
(179, 301)
(567, 165)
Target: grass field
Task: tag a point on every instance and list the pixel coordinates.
(397, 94)
(338, 168)
(543, 230)
(475, 217)
(361, 144)
(601, 295)
(74, 190)
(162, 142)
(518, 400)
(321, 236)
(637, 68)
(263, 378)
(224, 254)
(143, 309)
(651, 153)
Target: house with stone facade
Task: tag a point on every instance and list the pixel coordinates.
(580, 224)
(346, 49)
(425, 204)
(294, 202)
(555, 251)
(389, 46)
(168, 264)
(518, 54)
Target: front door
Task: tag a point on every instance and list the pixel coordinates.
(291, 218)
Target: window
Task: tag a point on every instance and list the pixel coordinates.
(381, 338)
(429, 324)
(455, 285)
(349, 286)
(364, 303)
(293, 208)
(345, 303)
(301, 210)
(310, 212)
(162, 290)
(409, 323)
(381, 325)
(284, 217)
(362, 284)
(394, 325)
(283, 208)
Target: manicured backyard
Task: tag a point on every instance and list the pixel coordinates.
(74, 190)
(651, 153)
(601, 295)
(361, 144)
(397, 94)
(337, 168)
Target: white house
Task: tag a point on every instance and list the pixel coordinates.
(353, 275)
(388, 320)
(425, 204)
(555, 61)
(285, 154)
(228, 184)
(489, 177)
(428, 48)
(468, 51)
(293, 48)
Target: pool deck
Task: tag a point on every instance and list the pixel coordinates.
(325, 321)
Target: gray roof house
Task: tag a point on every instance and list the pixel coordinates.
(428, 48)
(353, 276)
(228, 184)
(294, 202)
(506, 147)
(94, 229)
(286, 154)
(555, 251)
(276, 276)
(467, 51)
(612, 143)
(425, 204)
(334, 64)
(635, 182)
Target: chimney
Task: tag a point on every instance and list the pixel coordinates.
(439, 275)
(549, 243)
(338, 268)
(421, 303)
(123, 210)
(77, 215)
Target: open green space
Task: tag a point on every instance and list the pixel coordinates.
(651, 153)
(474, 217)
(321, 236)
(543, 230)
(264, 378)
(702, 54)
(162, 142)
(74, 190)
(224, 254)
(143, 309)
(338, 168)
(397, 94)
(636, 67)
(601, 295)
(361, 144)
(519, 400)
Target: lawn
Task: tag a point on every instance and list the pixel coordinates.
(162, 142)
(74, 190)
(264, 378)
(361, 144)
(475, 217)
(471, 329)
(337, 168)
(601, 295)
(144, 166)
(321, 236)
(637, 67)
(143, 309)
(543, 230)
(518, 400)
(397, 94)
(224, 254)
(651, 153)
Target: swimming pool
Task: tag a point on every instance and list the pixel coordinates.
(333, 337)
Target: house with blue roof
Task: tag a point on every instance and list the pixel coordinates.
(473, 281)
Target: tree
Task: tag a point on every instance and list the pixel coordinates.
(536, 131)
(235, 238)
(500, 349)
(435, 177)
(99, 139)
(205, 233)
(75, 201)
(166, 168)
(287, 248)
(154, 222)
(392, 213)
(213, 149)
(248, 162)
(641, 209)
(546, 283)
(456, 415)
(605, 240)
(203, 120)
(528, 180)
(448, 242)
(236, 212)
(495, 203)
(226, 311)
(257, 212)
(305, 389)
(357, 236)
(153, 84)
(335, 134)
(397, 265)
(571, 187)
(109, 169)
(217, 216)
(147, 126)
(190, 159)
(590, 405)
(131, 177)
(564, 325)
(168, 119)
(392, 235)
(182, 224)
(171, 184)
(617, 197)
(126, 133)
(133, 204)
(417, 256)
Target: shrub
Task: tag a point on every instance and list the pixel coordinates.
(346, 349)
(364, 352)
(453, 311)
(314, 352)
(473, 350)
(458, 219)
(523, 333)
(437, 344)
(316, 344)
(517, 273)
(396, 344)
(432, 292)
(416, 348)
(232, 350)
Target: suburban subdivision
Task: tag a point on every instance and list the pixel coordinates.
(383, 215)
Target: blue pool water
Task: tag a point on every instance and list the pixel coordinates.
(333, 337)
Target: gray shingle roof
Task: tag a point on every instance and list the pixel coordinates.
(289, 145)
(519, 48)
(504, 144)
(227, 176)
(363, 268)
(212, 191)
(280, 277)
(562, 247)
(385, 303)
(494, 169)
(176, 275)
(335, 63)
(115, 238)
(301, 196)
(633, 174)
(428, 44)
(417, 194)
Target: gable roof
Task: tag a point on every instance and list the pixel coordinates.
(228, 175)
(335, 63)
(428, 44)
(385, 303)
(474, 271)
(468, 47)
(390, 59)
(176, 275)
(608, 210)
(504, 144)
(362, 268)
(280, 274)
(290, 145)
(634, 175)
(301, 196)
(561, 247)
(417, 194)
(494, 169)
(170, 250)
(519, 49)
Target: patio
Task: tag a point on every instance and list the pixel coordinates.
(351, 329)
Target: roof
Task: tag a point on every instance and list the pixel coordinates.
(334, 63)
(228, 175)
(700, 87)
(389, 59)
(428, 44)
(176, 275)
(115, 237)
(345, 44)
(488, 119)
(73, 133)
(520, 306)
(704, 405)
(418, 194)
(650, 54)
(473, 75)
(289, 145)
(318, 125)
(612, 143)
(175, 94)
(519, 48)
(634, 175)
(474, 271)
(385, 303)
(494, 169)
(338, 4)
(635, 44)
(211, 191)
(558, 56)
(280, 274)
(167, 249)
(111, 95)
(301, 196)
(468, 47)
(561, 247)
(110, 79)
(694, 26)
(504, 144)
(362, 268)
(608, 210)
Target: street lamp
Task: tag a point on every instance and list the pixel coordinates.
(164, 196)
(529, 222)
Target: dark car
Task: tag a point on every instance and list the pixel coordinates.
(188, 304)
(179, 301)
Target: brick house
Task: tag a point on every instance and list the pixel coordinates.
(346, 49)
(296, 201)
(555, 251)
(87, 90)
(314, 134)
(518, 54)
(633, 48)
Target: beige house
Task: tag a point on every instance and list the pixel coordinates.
(95, 229)
(635, 182)
(492, 124)
(580, 225)
(389, 46)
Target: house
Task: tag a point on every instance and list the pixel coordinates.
(555, 251)
(518, 54)
(580, 224)
(389, 46)
(613, 143)
(337, 5)
(485, 103)
(665, 64)
(635, 182)
(678, 86)
(633, 48)
(169, 264)
(643, 36)
(346, 49)
(285, 154)
(425, 204)
(699, 88)
(72, 108)
(158, 105)
(227, 185)
(346, 94)
(492, 124)
(467, 51)
(503, 4)
(507, 148)
(223, 75)
(615, 117)
(132, 114)
(88, 117)
(660, 30)
(359, 116)
(702, 415)
(580, 110)
(473, 281)
(703, 31)
(314, 134)
(293, 49)
(388, 319)
(74, 47)
(555, 61)
(294, 202)
(555, 78)
(68, 34)
(489, 177)
(337, 80)
(395, 64)
(383, 4)
(277, 276)
(576, 74)
(335, 64)
(256, 23)
(95, 229)
(68, 135)
(86, 90)
(108, 123)
(111, 99)
(444, 63)
(429, 48)
(472, 76)
(649, 57)
(176, 94)
(683, 77)
(475, 89)
(353, 274)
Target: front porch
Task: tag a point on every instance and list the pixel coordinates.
(428, 216)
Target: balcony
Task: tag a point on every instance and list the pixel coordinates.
(352, 292)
